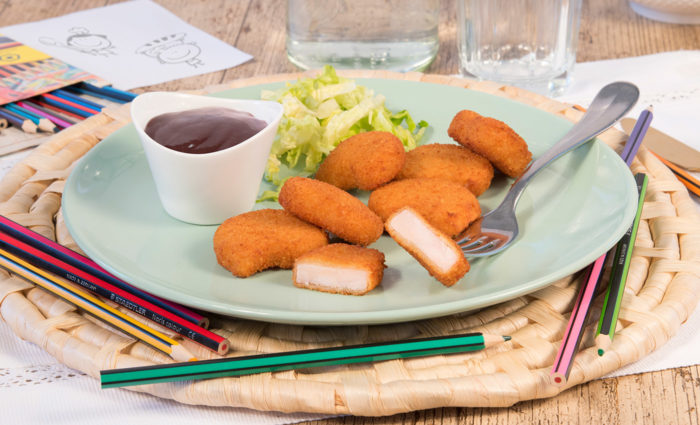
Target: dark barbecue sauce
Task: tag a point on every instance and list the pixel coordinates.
(203, 130)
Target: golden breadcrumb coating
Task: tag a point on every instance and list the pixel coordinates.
(449, 162)
(341, 258)
(364, 161)
(447, 205)
(257, 240)
(492, 139)
(331, 208)
(441, 244)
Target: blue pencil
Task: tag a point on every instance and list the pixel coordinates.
(18, 121)
(22, 114)
(77, 99)
(119, 93)
(78, 90)
(41, 122)
(109, 91)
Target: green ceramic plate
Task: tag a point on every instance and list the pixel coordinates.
(572, 212)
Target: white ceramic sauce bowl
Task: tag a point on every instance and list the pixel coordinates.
(211, 187)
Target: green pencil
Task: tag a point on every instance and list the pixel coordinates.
(618, 276)
(247, 365)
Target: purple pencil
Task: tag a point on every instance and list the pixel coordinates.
(57, 114)
(54, 119)
(638, 133)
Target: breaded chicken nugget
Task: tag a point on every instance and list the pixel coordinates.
(364, 161)
(492, 139)
(257, 240)
(436, 251)
(340, 269)
(331, 208)
(450, 162)
(447, 205)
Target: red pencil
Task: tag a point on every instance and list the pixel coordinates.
(59, 110)
(71, 104)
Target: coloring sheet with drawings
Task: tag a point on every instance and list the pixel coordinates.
(132, 44)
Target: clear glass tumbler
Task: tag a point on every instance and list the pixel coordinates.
(397, 35)
(525, 43)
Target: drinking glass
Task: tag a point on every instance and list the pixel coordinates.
(526, 43)
(397, 35)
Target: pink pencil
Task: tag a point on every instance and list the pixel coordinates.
(577, 321)
(54, 119)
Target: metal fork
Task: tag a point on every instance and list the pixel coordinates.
(496, 230)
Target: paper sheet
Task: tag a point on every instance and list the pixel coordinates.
(131, 44)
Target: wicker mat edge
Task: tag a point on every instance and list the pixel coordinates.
(662, 291)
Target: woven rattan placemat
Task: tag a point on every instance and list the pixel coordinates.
(662, 290)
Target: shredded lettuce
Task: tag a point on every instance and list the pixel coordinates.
(321, 112)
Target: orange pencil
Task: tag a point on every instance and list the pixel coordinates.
(688, 180)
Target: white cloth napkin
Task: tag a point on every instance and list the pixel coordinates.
(669, 81)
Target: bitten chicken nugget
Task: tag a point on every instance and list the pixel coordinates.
(364, 161)
(436, 251)
(492, 139)
(331, 208)
(447, 205)
(340, 269)
(450, 162)
(257, 240)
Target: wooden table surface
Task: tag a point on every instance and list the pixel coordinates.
(609, 29)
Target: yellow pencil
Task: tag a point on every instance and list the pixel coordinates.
(94, 306)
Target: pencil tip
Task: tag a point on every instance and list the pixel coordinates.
(601, 352)
(507, 338)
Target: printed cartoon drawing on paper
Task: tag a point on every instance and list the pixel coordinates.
(83, 41)
(172, 49)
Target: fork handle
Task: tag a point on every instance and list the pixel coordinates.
(610, 104)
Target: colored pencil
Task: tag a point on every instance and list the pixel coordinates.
(77, 99)
(99, 287)
(85, 264)
(68, 105)
(42, 123)
(685, 177)
(616, 287)
(577, 323)
(42, 102)
(108, 91)
(34, 103)
(51, 117)
(94, 306)
(101, 95)
(572, 336)
(20, 122)
(247, 365)
(637, 135)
